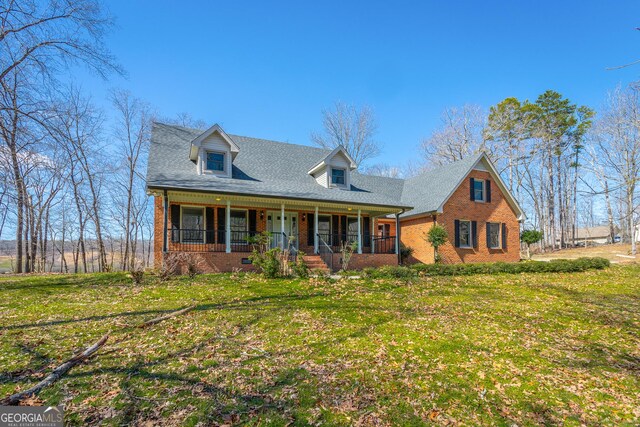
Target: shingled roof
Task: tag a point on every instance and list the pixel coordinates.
(277, 169)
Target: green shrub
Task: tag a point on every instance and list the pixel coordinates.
(555, 266)
(269, 262)
(390, 271)
(405, 252)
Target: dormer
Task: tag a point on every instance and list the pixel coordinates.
(334, 171)
(213, 151)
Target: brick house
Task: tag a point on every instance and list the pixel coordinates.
(214, 192)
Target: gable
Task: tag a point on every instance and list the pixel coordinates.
(429, 191)
(337, 159)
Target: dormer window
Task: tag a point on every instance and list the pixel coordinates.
(338, 176)
(334, 170)
(213, 152)
(215, 161)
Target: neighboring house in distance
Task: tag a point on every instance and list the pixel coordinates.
(598, 235)
(214, 191)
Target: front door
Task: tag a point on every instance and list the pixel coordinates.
(274, 225)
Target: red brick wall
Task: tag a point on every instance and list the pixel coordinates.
(413, 231)
(360, 261)
(459, 206)
(220, 262)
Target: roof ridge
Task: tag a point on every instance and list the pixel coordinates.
(279, 142)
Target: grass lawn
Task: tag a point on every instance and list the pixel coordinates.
(480, 350)
(617, 253)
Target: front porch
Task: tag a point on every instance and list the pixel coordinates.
(222, 228)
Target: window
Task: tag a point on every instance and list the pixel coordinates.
(384, 230)
(352, 229)
(324, 228)
(239, 226)
(478, 190)
(239, 221)
(338, 176)
(465, 234)
(493, 235)
(215, 161)
(192, 224)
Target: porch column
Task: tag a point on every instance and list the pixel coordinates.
(165, 238)
(359, 231)
(315, 232)
(282, 226)
(371, 235)
(227, 226)
(398, 235)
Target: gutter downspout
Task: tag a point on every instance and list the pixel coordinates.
(398, 235)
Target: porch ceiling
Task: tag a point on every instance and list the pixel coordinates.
(274, 203)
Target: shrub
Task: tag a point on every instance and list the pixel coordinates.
(273, 262)
(405, 252)
(347, 250)
(267, 261)
(300, 267)
(555, 266)
(137, 274)
(390, 271)
(175, 262)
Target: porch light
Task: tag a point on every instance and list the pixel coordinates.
(218, 199)
(349, 209)
(304, 216)
(261, 215)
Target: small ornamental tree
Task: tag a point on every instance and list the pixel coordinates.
(436, 237)
(530, 237)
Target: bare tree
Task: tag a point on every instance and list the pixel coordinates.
(618, 148)
(132, 133)
(459, 135)
(47, 35)
(350, 127)
(383, 169)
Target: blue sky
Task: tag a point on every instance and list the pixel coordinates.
(267, 69)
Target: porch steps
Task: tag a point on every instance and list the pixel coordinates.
(314, 262)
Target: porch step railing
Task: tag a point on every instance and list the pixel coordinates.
(325, 252)
(335, 240)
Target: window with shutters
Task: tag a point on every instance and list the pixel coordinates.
(239, 221)
(493, 234)
(464, 230)
(324, 228)
(478, 190)
(192, 224)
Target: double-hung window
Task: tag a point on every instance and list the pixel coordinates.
(239, 226)
(338, 176)
(192, 224)
(465, 234)
(215, 161)
(478, 190)
(493, 235)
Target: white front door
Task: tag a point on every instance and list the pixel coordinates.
(274, 224)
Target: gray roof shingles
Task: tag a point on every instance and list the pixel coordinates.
(278, 169)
